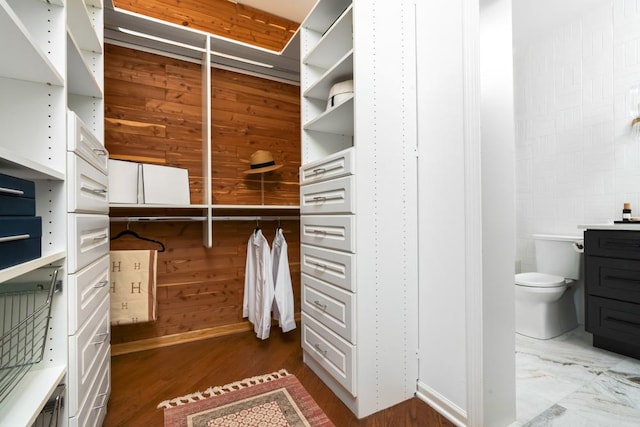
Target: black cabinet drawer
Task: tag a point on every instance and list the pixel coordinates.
(20, 239)
(614, 319)
(613, 278)
(17, 196)
(615, 325)
(613, 243)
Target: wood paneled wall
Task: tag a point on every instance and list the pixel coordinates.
(221, 17)
(153, 115)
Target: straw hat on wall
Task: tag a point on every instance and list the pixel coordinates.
(262, 161)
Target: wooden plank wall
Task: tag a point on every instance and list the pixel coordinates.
(221, 17)
(153, 115)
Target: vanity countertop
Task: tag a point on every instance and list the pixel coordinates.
(635, 226)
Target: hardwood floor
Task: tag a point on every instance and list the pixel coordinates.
(141, 380)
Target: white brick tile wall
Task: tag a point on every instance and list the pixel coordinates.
(577, 161)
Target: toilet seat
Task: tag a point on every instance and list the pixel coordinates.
(539, 280)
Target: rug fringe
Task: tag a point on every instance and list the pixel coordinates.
(216, 391)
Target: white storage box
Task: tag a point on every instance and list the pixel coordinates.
(165, 185)
(125, 182)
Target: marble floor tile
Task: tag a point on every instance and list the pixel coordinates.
(567, 382)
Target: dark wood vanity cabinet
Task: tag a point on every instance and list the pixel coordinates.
(612, 287)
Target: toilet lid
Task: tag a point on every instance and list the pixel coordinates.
(539, 280)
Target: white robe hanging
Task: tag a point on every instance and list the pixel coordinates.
(283, 302)
(258, 285)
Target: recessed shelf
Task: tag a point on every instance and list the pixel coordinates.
(81, 79)
(339, 120)
(26, 267)
(23, 58)
(21, 167)
(324, 13)
(334, 44)
(81, 28)
(25, 402)
(342, 70)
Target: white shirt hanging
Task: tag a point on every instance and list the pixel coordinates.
(258, 285)
(283, 309)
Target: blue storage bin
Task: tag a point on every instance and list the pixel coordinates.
(17, 196)
(20, 239)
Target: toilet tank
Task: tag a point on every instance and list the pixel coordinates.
(557, 255)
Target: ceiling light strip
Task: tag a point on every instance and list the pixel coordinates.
(160, 39)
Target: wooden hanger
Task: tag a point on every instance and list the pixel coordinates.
(132, 233)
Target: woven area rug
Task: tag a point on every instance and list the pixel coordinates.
(276, 399)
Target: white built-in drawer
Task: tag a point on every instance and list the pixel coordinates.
(86, 289)
(329, 231)
(336, 165)
(332, 352)
(94, 409)
(85, 144)
(88, 239)
(87, 187)
(334, 196)
(86, 352)
(329, 305)
(337, 268)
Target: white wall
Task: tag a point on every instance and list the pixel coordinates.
(498, 211)
(577, 162)
(442, 318)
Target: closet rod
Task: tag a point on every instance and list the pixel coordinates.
(157, 218)
(201, 218)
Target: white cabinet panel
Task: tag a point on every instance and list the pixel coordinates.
(83, 142)
(88, 239)
(86, 290)
(330, 351)
(94, 409)
(334, 196)
(333, 232)
(86, 350)
(335, 267)
(87, 189)
(333, 166)
(331, 306)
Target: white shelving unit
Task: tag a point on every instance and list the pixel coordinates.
(32, 85)
(88, 374)
(358, 202)
(54, 65)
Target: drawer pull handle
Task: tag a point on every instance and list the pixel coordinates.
(11, 191)
(14, 238)
(318, 171)
(101, 284)
(325, 198)
(324, 233)
(320, 350)
(622, 322)
(321, 306)
(93, 190)
(100, 151)
(103, 338)
(100, 237)
(317, 264)
(620, 279)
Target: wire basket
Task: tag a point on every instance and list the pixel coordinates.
(50, 414)
(24, 320)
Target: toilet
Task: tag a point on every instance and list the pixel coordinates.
(544, 299)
